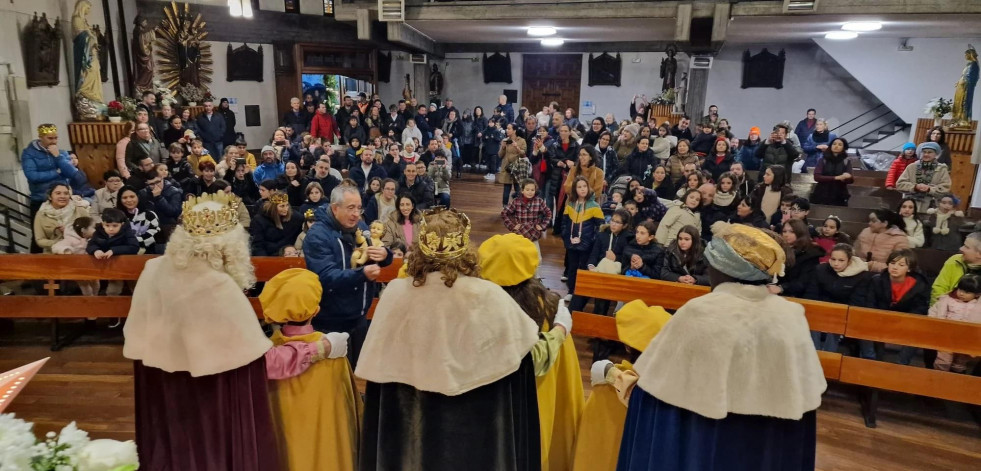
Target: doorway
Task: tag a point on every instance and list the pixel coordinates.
(548, 78)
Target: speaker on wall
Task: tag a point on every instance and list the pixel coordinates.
(701, 32)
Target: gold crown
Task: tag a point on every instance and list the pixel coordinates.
(45, 129)
(449, 246)
(279, 198)
(206, 221)
(308, 215)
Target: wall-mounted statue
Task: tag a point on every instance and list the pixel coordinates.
(183, 54)
(964, 91)
(605, 69)
(42, 54)
(669, 67)
(143, 38)
(435, 82)
(88, 78)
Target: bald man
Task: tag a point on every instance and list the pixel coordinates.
(710, 211)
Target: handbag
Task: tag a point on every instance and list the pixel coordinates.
(610, 267)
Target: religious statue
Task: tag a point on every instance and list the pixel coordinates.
(435, 82)
(42, 63)
(88, 79)
(964, 91)
(377, 230)
(669, 67)
(143, 38)
(182, 48)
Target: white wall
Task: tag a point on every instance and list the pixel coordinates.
(391, 92)
(637, 78)
(465, 82)
(904, 81)
(248, 93)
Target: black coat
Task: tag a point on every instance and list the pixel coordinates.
(422, 192)
(298, 121)
(717, 169)
(710, 215)
(603, 244)
(801, 273)
(167, 206)
(877, 294)
(639, 164)
(672, 269)
(268, 240)
(828, 190)
(123, 243)
(556, 154)
(652, 255)
(827, 285)
(755, 219)
(296, 194)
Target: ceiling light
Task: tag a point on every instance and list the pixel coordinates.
(841, 35)
(862, 26)
(235, 8)
(553, 42)
(247, 8)
(541, 31)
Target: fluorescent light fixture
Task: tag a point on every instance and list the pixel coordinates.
(247, 8)
(235, 8)
(541, 31)
(553, 42)
(862, 26)
(839, 35)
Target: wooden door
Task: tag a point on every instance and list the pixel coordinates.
(550, 77)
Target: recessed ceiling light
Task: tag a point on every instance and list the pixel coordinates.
(541, 31)
(553, 42)
(841, 35)
(862, 26)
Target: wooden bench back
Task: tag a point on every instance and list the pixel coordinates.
(855, 322)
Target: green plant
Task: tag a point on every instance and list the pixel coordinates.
(939, 107)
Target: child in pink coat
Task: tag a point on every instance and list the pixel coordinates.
(961, 305)
(76, 240)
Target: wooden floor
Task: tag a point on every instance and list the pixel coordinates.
(92, 383)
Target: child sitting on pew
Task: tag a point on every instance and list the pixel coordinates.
(76, 240)
(899, 288)
(960, 305)
(113, 236)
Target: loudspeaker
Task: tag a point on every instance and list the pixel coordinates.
(701, 32)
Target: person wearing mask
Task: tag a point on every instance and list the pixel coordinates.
(211, 128)
(816, 143)
(925, 181)
(886, 233)
(777, 150)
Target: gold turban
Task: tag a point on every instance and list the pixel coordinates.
(507, 259)
(637, 324)
(291, 296)
(745, 252)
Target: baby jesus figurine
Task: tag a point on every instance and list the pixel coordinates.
(360, 255)
(377, 232)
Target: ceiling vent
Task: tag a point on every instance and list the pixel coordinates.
(799, 6)
(391, 10)
(417, 58)
(701, 62)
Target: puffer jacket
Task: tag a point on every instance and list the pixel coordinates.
(327, 250)
(71, 244)
(641, 165)
(555, 155)
(897, 168)
(838, 287)
(877, 247)
(677, 162)
(652, 255)
(677, 217)
(582, 221)
(877, 294)
(801, 273)
(42, 169)
(672, 268)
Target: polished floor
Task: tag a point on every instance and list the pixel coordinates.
(92, 383)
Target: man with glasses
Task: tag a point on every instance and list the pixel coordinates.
(800, 209)
(328, 247)
(143, 144)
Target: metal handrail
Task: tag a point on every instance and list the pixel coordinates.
(9, 231)
(15, 191)
(869, 122)
(859, 116)
(876, 131)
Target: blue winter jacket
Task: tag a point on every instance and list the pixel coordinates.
(41, 169)
(268, 172)
(810, 148)
(327, 250)
(747, 155)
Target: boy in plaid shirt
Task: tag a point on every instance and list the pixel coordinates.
(527, 215)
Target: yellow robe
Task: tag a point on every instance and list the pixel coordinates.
(317, 414)
(560, 406)
(601, 429)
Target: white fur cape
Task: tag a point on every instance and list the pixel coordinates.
(445, 340)
(737, 349)
(194, 319)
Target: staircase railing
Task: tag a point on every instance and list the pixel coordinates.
(866, 123)
(14, 208)
(857, 117)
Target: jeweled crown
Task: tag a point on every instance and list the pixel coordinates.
(279, 198)
(448, 246)
(210, 214)
(45, 129)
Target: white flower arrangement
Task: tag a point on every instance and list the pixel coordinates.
(69, 450)
(938, 107)
(166, 95)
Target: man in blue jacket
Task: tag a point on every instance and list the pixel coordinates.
(348, 290)
(44, 164)
(211, 129)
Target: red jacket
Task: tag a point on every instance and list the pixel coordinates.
(323, 126)
(896, 170)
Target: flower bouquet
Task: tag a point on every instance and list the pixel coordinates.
(191, 93)
(69, 450)
(938, 108)
(165, 96)
(115, 110)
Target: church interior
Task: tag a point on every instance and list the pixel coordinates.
(279, 105)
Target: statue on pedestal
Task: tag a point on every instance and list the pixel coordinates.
(669, 67)
(88, 79)
(143, 38)
(435, 82)
(964, 91)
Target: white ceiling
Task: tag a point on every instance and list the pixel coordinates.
(514, 31)
(745, 29)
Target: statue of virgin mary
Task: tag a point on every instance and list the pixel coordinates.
(964, 90)
(85, 48)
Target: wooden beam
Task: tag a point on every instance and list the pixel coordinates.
(914, 330)
(682, 28)
(401, 33)
(911, 380)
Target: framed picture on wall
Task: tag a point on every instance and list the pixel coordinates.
(292, 6)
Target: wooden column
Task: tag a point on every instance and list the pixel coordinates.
(961, 145)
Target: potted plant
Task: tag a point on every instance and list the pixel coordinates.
(115, 111)
(128, 113)
(191, 93)
(938, 108)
